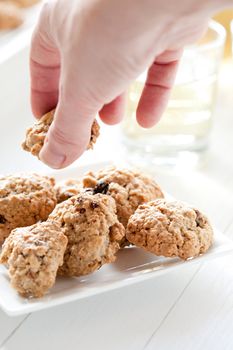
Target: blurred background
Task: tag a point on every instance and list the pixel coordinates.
(187, 136)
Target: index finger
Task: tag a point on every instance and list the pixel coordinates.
(44, 69)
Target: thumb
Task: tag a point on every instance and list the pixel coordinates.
(70, 132)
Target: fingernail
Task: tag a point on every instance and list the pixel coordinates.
(51, 158)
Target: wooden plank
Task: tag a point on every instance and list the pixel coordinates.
(121, 319)
(202, 318)
(8, 325)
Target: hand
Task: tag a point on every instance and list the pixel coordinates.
(84, 55)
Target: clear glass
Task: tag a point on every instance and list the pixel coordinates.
(186, 124)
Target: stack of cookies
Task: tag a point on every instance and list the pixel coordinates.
(11, 15)
(75, 227)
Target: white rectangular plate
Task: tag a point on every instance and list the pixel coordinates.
(132, 265)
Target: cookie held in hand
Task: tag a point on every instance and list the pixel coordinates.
(170, 228)
(35, 136)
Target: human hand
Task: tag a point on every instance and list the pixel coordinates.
(84, 55)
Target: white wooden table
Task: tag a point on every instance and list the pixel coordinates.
(189, 309)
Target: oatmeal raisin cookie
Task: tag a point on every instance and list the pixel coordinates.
(33, 255)
(128, 188)
(93, 231)
(170, 228)
(35, 136)
(10, 16)
(25, 3)
(24, 200)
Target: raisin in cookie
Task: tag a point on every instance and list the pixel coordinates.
(24, 200)
(68, 189)
(10, 16)
(128, 188)
(33, 255)
(35, 136)
(170, 228)
(93, 231)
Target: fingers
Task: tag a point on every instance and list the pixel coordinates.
(44, 69)
(44, 90)
(113, 112)
(155, 95)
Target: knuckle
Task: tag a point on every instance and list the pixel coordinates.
(62, 137)
(43, 31)
(87, 102)
(44, 14)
